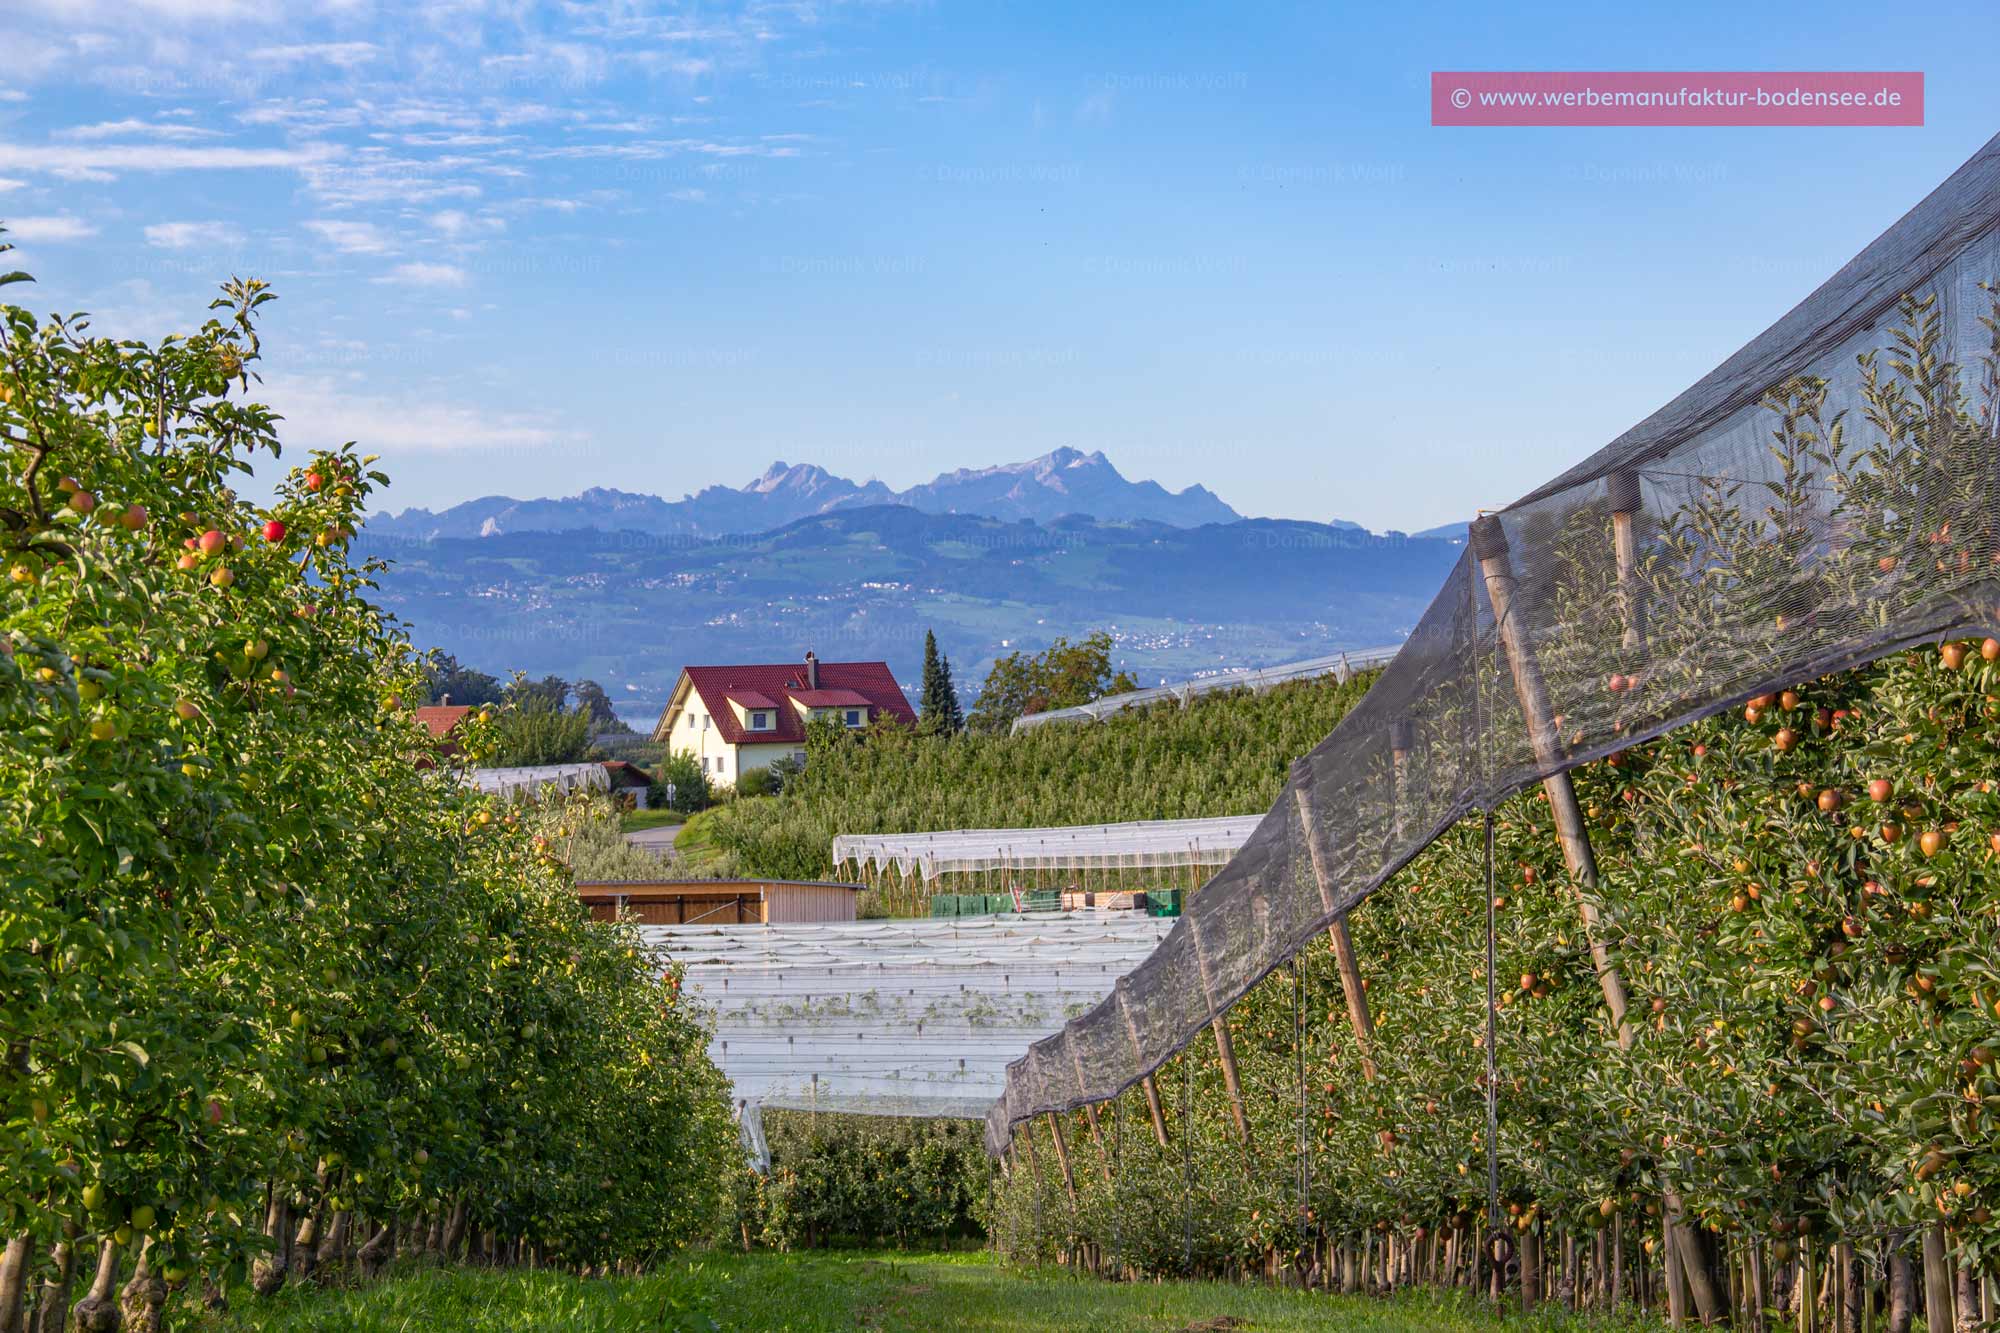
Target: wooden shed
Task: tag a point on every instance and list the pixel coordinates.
(682, 902)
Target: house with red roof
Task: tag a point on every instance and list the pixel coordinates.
(734, 719)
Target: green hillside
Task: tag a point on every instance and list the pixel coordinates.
(1224, 754)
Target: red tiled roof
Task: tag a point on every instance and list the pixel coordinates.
(441, 718)
(752, 699)
(869, 683)
(829, 698)
(624, 774)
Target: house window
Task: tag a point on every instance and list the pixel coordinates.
(760, 722)
(854, 717)
(690, 719)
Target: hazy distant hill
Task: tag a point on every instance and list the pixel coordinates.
(630, 608)
(1042, 489)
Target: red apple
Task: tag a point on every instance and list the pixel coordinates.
(209, 542)
(314, 481)
(1881, 789)
(274, 531)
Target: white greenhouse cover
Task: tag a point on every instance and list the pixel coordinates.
(899, 1017)
(565, 778)
(1140, 845)
(1339, 665)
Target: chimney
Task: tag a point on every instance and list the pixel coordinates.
(812, 670)
(445, 702)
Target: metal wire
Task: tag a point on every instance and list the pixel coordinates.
(1492, 1037)
(1187, 1160)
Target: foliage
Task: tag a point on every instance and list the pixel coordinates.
(592, 699)
(532, 730)
(248, 947)
(445, 678)
(1802, 899)
(691, 790)
(550, 692)
(1062, 675)
(864, 1180)
(1224, 754)
(587, 834)
(937, 707)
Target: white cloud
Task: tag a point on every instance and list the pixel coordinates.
(126, 129)
(94, 162)
(351, 238)
(426, 275)
(63, 228)
(185, 235)
(346, 55)
(319, 411)
(11, 183)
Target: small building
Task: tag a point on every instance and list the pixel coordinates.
(734, 719)
(441, 719)
(629, 780)
(730, 902)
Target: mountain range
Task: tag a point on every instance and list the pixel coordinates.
(626, 588)
(629, 609)
(1058, 484)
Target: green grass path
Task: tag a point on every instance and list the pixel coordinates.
(888, 1293)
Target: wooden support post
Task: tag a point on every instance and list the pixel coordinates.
(1937, 1280)
(1146, 1082)
(1090, 1114)
(1343, 944)
(1062, 1158)
(1224, 1047)
(1488, 539)
(1622, 491)
(1489, 546)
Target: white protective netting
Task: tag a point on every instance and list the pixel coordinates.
(906, 1017)
(1338, 665)
(1146, 844)
(532, 781)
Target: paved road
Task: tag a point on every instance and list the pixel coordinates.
(659, 841)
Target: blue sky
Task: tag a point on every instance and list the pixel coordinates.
(528, 248)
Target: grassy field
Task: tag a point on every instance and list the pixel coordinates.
(819, 1293)
(632, 820)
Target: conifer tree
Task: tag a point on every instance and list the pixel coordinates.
(939, 702)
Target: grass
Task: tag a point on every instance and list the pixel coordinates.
(819, 1293)
(633, 820)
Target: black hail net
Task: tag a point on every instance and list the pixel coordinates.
(1825, 496)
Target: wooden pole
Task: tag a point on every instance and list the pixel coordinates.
(1062, 1157)
(1090, 1114)
(1344, 960)
(1622, 491)
(1489, 546)
(1146, 1082)
(1488, 539)
(1224, 1047)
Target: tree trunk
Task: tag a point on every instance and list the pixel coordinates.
(269, 1271)
(379, 1250)
(1531, 1268)
(454, 1231)
(334, 1243)
(14, 1286)
(305, 1245)
(52, 1302)
(97, 1312)
(1902, 1286)
(1968, 1302)
(143, 1302)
